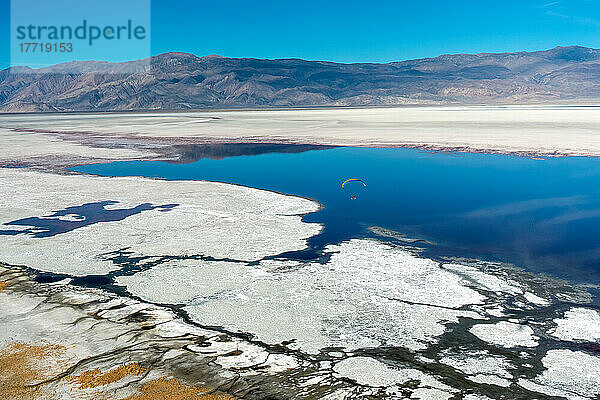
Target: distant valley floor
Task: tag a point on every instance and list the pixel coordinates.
(534, 131)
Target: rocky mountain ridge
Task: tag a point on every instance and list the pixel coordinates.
(180, 81)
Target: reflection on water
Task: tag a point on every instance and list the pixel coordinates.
(542, 214)
(189, 153)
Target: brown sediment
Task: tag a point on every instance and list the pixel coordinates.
(94, 378)
(173, 389)
(39, 369)
(22, 365)
(3, 285)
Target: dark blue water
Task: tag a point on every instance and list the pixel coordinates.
(82, 215)
(540, 214)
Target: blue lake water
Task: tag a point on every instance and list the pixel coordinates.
(540, 214)
(83, 215)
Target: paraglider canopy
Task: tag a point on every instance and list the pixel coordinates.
(354, 194)
(353, 180)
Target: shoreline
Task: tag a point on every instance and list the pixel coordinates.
(521, 131)
(575, 103)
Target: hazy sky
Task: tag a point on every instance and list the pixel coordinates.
(359, 31)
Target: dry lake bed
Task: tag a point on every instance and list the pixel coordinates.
(124, 274)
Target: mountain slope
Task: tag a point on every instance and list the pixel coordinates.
(176, 81)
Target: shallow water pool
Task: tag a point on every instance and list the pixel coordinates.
(540, 214)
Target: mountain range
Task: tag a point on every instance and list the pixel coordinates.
(180, 81)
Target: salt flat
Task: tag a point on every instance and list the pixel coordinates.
(369, 318)
(578, 324)
(528, 130)
(364, 297)
(188, 218)
(568, 374)
(369, 296)
(82, 343)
